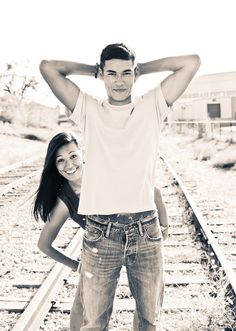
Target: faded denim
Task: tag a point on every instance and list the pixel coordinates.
(107, 246)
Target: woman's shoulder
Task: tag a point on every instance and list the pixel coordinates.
(71, 200)
(69, 197)
(66, 191)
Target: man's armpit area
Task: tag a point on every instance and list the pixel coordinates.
(68, 112)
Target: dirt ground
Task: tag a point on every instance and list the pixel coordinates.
(212, 183)
(215, 184)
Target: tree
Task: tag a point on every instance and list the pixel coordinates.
(17, 81)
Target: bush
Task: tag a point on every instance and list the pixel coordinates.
(5, 119)
(31, 136)
(225, 159)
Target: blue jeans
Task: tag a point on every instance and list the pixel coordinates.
(111, 241)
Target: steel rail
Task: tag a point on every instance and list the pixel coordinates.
(34, 314)
(204, 228)
(18, 183)
(202, 122)
(20, 164)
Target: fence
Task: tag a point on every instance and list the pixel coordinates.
(220, 130)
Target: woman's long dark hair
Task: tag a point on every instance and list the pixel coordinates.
(51, 180)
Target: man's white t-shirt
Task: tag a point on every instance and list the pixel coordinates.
(121, 145)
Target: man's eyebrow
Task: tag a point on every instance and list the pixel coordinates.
(113, 71)
(109, 70)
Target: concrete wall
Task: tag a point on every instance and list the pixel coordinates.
(234, 107)
(197, 109)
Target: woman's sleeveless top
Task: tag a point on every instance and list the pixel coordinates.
(71, 200)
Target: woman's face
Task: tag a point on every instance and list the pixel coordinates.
(68, 162)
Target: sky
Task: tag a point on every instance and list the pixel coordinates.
(32, 30)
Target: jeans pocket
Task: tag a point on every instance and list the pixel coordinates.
(153, 231)
(92, 233)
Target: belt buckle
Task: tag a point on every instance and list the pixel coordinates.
(126, 227)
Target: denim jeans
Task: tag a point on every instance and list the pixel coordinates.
(76, 313)
(111, 241)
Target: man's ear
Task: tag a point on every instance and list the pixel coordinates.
(100, 73)
(136, 72)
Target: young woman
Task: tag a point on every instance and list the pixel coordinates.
(58, 193)
(57, 199)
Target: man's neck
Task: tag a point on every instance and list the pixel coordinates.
(120, 102)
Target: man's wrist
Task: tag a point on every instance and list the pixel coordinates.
(96, 70)
(143, 68)
(139, 69)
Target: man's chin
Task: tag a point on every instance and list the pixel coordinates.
(120, 99)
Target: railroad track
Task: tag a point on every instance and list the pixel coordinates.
(18, 174)
(200, 282)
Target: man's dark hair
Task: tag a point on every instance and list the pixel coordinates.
(116, 51)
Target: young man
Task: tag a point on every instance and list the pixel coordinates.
(117, 195)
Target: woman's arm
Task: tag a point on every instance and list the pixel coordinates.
(163, 218)
(49, 233)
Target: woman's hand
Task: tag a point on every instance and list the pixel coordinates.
(76, 265)
(164, 231)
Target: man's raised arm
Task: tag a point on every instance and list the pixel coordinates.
(55, 74)
(183, 68)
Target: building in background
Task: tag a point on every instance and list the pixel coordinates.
(208, 97)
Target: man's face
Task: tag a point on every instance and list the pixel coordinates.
(119, 77)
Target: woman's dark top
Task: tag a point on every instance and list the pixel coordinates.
(71, 200)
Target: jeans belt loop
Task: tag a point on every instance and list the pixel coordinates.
(108, 229)
(140, 228)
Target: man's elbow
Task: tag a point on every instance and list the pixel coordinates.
(195, 62)
(44, 67)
